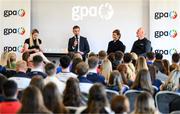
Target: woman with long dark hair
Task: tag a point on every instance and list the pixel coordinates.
(52, 99)
(143, 81)
(72, 95)
(97, 102)
(32, 101)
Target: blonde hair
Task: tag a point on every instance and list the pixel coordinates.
(21, 64)
(141, 64)
(11, 58)
(31, 43)
(3, 60)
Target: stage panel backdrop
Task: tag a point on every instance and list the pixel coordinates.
(165, 26)
(14, 24)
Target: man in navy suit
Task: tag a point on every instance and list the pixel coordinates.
(77, 43)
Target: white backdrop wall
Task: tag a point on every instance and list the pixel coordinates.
(54, 20)
(14, 24)
(165, 26)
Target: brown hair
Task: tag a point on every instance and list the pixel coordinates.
(143, 80)
(117, 31)
(72, 94)
(52, 99)
(82, 68)
(118, 104)
(97, 99)
(32, 101)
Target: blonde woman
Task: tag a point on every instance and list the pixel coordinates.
(3, 60)
(144, 104)
(11, 61)
(104, 65)
(141, 64)
(172, 83)
(32, 44)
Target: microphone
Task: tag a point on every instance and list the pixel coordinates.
(76, 36)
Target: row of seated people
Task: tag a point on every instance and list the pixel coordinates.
(123, 77)
(41, 98)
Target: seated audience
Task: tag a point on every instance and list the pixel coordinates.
(65, 74)
(115, 82)
(32, 101)
(143, 81)
(72, 95)
(144, 104)
(38, 82)
(21, 68)
(176, 58)
(92, 75)
(153, 72)
(52, 99)
(127, 59)
(118, 59)
(75, 61)
(97, 102)
(141, 64)
(161, 70)
(50, 70)
(38, 67)
(10, 105)
(134, 58)
(150, 57)
(105, 66)
(11, 61)
(172, 83)
(158, 56)
(82, 70)
(126, 78)
(166, 66)
(2, 80)
(120, 104)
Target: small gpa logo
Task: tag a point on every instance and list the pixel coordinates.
(173, 14)
(21, 31)
(173, 33)
(166, 51)
(21, 12)
(161, 34)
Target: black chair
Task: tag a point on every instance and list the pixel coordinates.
(131, 95)
(110, 94)
(163, 100)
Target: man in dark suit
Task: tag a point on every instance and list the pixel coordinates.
(77, 43)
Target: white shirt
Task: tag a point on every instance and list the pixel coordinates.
(64, 76)
(60, 85)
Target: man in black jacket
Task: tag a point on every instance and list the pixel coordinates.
(77, 43)
(142, 45)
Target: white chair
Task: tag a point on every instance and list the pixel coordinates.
(22, 82)
(85, 87)
(110, 94)
(81, 109)
(72, 109)
(163, 99)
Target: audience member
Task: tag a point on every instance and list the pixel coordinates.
(10, 105)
